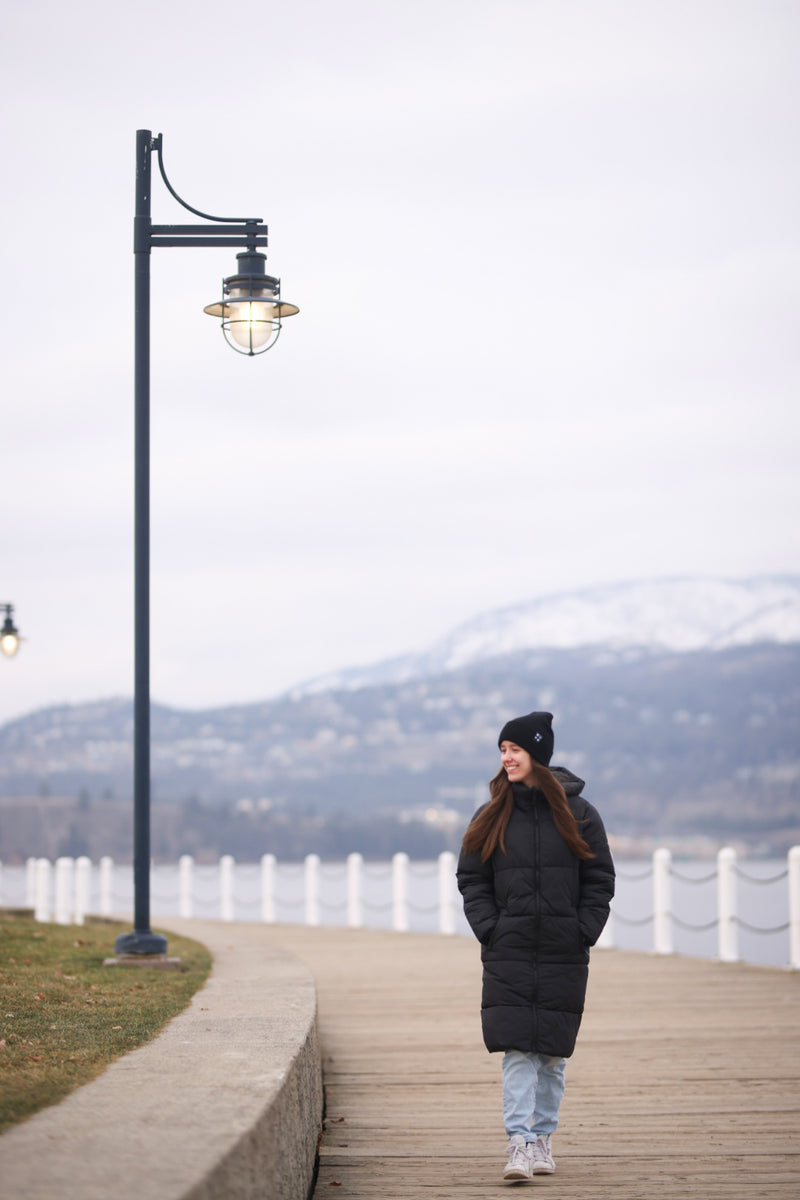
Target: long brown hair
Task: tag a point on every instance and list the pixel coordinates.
(487, 830)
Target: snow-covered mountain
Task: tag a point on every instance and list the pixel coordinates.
(656, 616)
(680, 698)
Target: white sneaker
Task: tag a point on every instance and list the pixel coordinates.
(519, 1159)
(542, 1156)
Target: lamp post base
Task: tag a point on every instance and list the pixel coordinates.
(140, 941)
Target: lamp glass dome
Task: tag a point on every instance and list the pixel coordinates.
(251, 323)
(9, 643)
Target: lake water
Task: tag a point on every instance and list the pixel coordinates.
(762, 900)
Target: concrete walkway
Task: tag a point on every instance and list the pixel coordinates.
(686, 1082)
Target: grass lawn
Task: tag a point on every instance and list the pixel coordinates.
(64, 1016)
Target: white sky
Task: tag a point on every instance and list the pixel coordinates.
(547, 256)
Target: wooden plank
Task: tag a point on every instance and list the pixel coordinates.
(686, 1080)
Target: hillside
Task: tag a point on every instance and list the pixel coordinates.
(677, 700)
(700, 745)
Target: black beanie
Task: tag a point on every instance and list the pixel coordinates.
(533, 733)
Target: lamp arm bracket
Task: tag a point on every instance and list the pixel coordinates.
(157, 144)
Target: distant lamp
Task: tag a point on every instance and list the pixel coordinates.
(251, 308)
(9, 634)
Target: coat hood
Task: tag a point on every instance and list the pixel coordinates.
(571, 784)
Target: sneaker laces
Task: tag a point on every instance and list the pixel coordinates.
(541, 1148)
(517, 1154)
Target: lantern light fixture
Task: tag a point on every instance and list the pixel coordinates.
(251, 308)
(9, 634)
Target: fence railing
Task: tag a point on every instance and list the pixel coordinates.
(68, 890)
(727, 922)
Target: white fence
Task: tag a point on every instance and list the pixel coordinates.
(64, 892)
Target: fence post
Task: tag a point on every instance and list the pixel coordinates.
(662, 901)
(30, 883)
(42, 904)
(83, 888)
(400, 892)
(447, 875)
(794, 908)
(185, 876)
(226, 865)
(64, 874)
(106, 880)
(607, 941)
(312, 889)
(355, 918)
(268, 888)
(728, 939)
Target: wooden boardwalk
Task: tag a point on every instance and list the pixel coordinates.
(685, 1083)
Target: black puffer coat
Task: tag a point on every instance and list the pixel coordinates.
(536, 910)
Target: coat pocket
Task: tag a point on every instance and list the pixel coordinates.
(583, 943)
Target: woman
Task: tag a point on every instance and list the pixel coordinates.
(537, 879)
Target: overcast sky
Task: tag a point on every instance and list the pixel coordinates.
(547, 257)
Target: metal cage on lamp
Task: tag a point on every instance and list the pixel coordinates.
(251, 309)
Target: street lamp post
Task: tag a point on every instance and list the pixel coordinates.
(251, 313)
(9, 634)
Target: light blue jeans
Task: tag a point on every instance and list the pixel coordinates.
(533, 1088)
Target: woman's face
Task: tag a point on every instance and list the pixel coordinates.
(517, 762)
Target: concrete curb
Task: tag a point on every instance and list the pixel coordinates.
(225, 1102)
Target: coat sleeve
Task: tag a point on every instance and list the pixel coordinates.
(476, 884)
(596, 878)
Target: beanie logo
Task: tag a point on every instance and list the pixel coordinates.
(537, 737)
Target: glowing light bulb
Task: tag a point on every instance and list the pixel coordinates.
(9, 644)
(250, 322)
